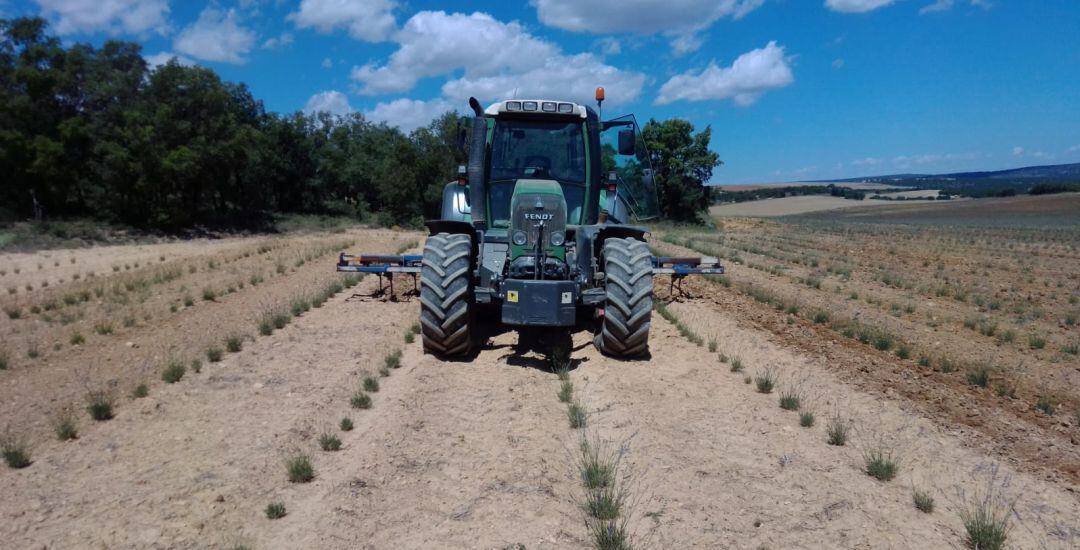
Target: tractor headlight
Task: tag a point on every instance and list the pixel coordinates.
(557, 238)
(520, 238)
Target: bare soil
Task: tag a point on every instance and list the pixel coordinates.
(474, 453)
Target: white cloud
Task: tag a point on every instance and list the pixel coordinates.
(1042, 155)
(752, 74)
(216, 36)
(367, 20)
(327, 63)
(477, 43)
(679, 20)
(946, 5)
(331, 101)
(278, 41)
(162, 58)
(572, 78)
(609, 46)
(1073, 149)
(856, 6)
(111, 16)
(408, 114)
(868, 161)
(838, 63)
(939, 159)
(1018, 151)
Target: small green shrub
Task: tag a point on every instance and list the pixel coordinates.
(979, 377)
(410, 337)
(821, 317)
(806, 419)
(214, 354)
(196, 366)
(836, 431)
(881, 463)
(64, 425)
(924, 501)
(275, 510)
(266, 327)
(986, 521)
(790, 400)
(371, 384)
(188, 301)
(234, 343)
(575, 413)
(566, 391)
(299, 468)
(15, 451)
(360, 400)
(99, 403)
(1046, 404)
(1036, 341)
(736, 365)
(346, 424)
(103, 328)
(140, 391)
(173, 372)
(903, 351)
(209, 295)
(13, 312)
(1071, 349)
(765, 382)
(329, 442)
(392, 360)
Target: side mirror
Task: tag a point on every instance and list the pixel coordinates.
(626, 142)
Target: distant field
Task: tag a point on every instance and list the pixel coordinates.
(863, 186)
(1029, 211)
(913, 194)
(768, 208)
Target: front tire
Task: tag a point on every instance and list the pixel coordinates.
(624, 332)
(446, 295)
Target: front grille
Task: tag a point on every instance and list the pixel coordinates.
(534, 210)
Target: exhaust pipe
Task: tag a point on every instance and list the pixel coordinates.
(477, 161)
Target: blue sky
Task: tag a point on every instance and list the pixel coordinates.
(793, 89)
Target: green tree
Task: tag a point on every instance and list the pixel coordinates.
(682, 163)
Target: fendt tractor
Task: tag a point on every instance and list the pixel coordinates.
(534, 233)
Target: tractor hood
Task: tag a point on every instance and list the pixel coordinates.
(537, 211)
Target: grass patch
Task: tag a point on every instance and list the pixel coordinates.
(275, 510)
(605, 497)
(173, 372)
(712, 346)
(924, 501)
(64, 426)
(765, 382)
(979, 376)
(209, 295)
(103, 328)
(410, 337)
(566, 391)
(1036, 341)
(329, 442)
(233, 344)
(836, 431)
(214, 354)
(821, 317)
(15, 451)
(299, 469)
(881, 463)
(346, 424)
(360, 400)
(576, 415)
(141, 391)
(371, 384)
(392, 360)
(806, 419)
(4, 360)
(1071, 349)
(790, 400)
(986, 521)
(736, 364)
(1046, 404)
(99, 404)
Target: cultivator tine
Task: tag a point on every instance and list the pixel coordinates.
(383, 266)
(679, 268)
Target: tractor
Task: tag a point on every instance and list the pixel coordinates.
(535, 232)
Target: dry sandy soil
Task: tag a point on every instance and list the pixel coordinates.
(475, 453)
(770, 208)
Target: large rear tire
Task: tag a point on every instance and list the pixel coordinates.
(446, 295)
(624, 332)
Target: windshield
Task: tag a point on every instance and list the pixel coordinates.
(536, 150)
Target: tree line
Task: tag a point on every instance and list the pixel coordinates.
(95, 132)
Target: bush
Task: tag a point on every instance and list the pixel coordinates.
(275, 510)
(765, 381)
(881, 463)
(346, 424)
(141, 391)
(806, 419)
(234, 344)
(790, 399)
(214, 354)
(371, 384)
(209, 295)
(15, 451)
(979, 377)
(836, 431)
(566, 391)
(736, 365)
(99, 404)
(392, 360)
(173, 372)
(986, 522)
(1036, 341)
(575, 413)
(299, 468)
(4, 360)
(329, 442)
(924, 501)
(360, 400)
(821, 317)
(1046, 404)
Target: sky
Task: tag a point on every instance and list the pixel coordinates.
(792, 89)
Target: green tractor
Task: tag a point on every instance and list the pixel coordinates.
(534, 232)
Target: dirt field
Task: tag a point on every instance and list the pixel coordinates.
(478, 453)
(787, 206)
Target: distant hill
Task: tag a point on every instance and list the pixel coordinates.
(1027, 174)
(1034, 179)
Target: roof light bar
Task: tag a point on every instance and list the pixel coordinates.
(566, 107)
(513, 105)
(548, 106)
(528, 105)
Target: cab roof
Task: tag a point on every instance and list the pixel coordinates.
(544, 107)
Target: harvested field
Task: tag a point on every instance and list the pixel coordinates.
(478, 454)
(787, 206)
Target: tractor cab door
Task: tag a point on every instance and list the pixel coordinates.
(629, 192)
